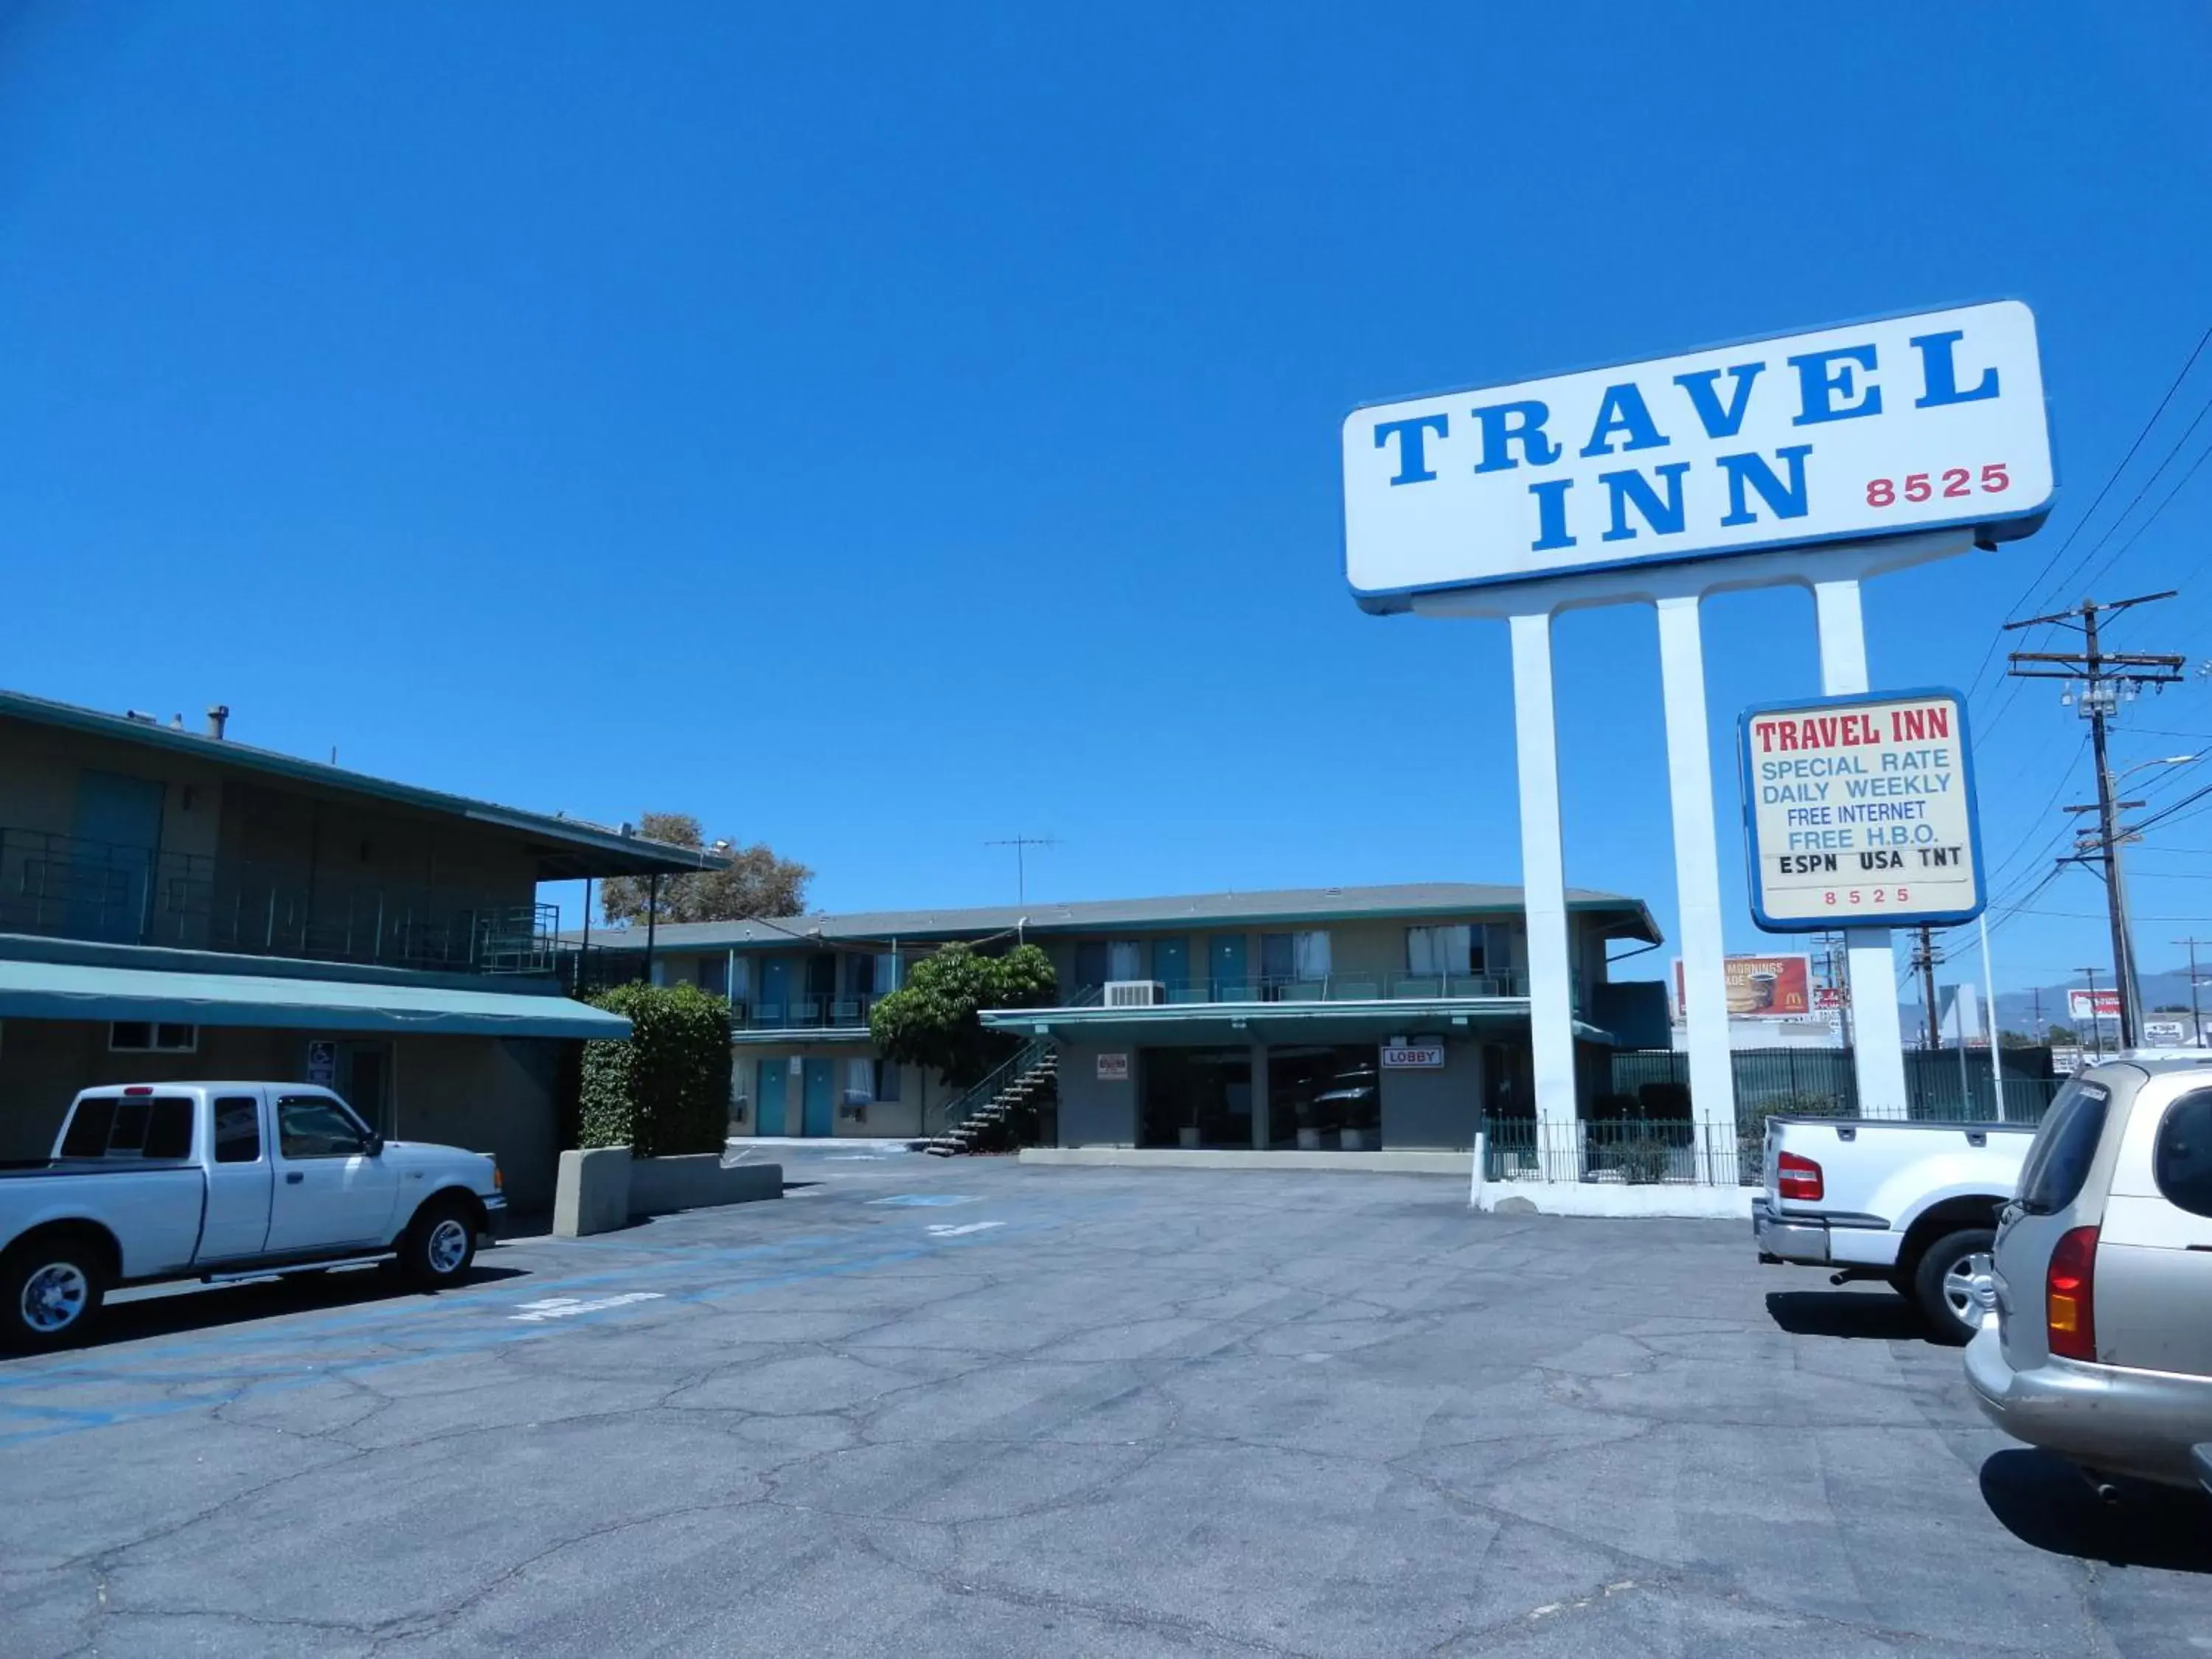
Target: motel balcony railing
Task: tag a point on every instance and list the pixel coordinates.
(68, 887)
(819, 1012)
(1327, 987)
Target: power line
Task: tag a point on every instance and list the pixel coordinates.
(2136, 501)
(2180, 485)
(2080, 524)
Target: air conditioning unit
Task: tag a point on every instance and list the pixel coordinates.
(1135, 993)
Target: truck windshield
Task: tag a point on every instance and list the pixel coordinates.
(2058, 1163)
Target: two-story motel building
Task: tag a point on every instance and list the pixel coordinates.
(1259, 1021)
(176, 905)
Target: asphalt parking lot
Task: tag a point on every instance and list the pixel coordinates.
(965, 1407)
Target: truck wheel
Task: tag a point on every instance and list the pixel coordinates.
(49, 1294)
(1942, 1283)
(441, 1245)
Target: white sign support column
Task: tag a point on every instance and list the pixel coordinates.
(1677, 592)
(1697, 868)
(1879, 1052)
(1544, 884)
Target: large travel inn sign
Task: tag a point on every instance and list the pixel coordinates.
(1869, 430)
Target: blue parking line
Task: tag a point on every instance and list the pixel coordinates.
(289, 1379)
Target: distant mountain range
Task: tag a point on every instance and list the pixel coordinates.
(2016, 1009)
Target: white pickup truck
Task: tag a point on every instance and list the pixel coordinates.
(223, 1181)
(1913, 1204)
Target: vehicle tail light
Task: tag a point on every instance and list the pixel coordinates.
(498, 1180)
(2070, 1295)
(1800, 1177)
(140, 1089)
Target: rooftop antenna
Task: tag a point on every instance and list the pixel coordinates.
(1021, 844)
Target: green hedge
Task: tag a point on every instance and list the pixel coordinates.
(667, 1090)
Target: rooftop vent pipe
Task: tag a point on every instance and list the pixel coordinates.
(218, 717)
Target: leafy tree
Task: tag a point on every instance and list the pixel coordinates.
(933, 1019)
(756, 883)
(2015, 1040)
(2064, 1036)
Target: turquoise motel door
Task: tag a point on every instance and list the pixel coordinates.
(820, 1109)
(1225, 960)
(1171, 967)
(110, 870)
(773, 1006)
(767, 1111)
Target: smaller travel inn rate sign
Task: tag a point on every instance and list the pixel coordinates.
(1865, 431)
(1860, 810)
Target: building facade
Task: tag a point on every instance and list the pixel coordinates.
(1336, 1019)
(178, 906)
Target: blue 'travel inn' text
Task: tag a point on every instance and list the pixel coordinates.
(1838, 384)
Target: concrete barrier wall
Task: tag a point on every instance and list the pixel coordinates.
(591, 1193)
(659, 1185)
(1282, 1163)
(602, 1188)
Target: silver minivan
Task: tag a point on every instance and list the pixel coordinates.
(2100, 1347)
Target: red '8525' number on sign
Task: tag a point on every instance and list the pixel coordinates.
(1951, 483)
(1874, 895)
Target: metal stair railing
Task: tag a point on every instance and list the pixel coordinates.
(966, 1104)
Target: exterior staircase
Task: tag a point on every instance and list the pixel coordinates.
(977, 1120)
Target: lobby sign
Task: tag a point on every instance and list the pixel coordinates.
(1869, 430)
(1416, 1056)
(1860, 811)
(1772, 987)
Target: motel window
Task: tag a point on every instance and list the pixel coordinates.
(1452, 949)
(861, 975)
(138, 1037)
(715, 976)
(887, 1080)
(887, 975)
(1302, 957)
(859, 1082)
(1098, 961)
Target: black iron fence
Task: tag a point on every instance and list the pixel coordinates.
(1632, 1151)
(1942, 1086)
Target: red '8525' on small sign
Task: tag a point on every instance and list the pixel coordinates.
(1949, 485)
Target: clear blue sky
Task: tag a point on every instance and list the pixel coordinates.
(880, 430)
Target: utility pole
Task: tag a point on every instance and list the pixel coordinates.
(2195, 1013)
(2096, 1025)
(1832, 958)
(1021, 844)
(2106, 678)
(2039, 1038)
(1925, 957)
